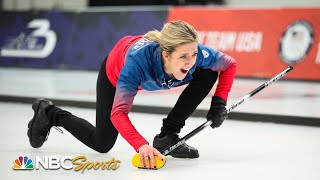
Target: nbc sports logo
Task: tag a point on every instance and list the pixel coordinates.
(78, 163)
(23, 163)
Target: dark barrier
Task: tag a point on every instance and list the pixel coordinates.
(68, 40)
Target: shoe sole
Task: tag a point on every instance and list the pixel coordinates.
(176, 155)
(31, 122)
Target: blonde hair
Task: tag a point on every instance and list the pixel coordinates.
(173, 34)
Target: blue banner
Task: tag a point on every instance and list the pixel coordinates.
(68, 40)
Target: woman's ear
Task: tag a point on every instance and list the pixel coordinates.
(165, 55)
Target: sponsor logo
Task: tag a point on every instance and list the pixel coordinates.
(23, 163)
(141, 43)
(38, 44)
(78, 163)
(296, 42)
(205, 53)
(228, 41)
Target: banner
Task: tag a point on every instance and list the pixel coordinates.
(36, 39)
(68, 40)
(263, 41)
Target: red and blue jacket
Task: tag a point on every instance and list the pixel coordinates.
(135, 63)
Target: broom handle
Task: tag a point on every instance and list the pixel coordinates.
(208, 123)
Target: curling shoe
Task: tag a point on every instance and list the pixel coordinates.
(39, 126)
(183, 151)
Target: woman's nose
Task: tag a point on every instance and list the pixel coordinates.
(190, 61)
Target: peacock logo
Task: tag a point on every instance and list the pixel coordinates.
(23, 163)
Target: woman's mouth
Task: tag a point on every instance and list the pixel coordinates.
(184, 71)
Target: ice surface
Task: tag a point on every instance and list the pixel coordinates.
(235, 151)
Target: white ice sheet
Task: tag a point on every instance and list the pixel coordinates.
(235, 151)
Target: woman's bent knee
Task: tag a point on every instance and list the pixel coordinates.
(103, 148)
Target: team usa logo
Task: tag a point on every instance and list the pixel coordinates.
(23, 163)
(296, 42)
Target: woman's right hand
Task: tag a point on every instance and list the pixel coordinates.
(148, 153)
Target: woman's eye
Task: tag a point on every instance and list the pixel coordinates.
(195, 54)
(183, 56)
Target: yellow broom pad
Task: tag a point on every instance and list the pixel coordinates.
(159, 163)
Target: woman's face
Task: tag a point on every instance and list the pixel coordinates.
(179, 62)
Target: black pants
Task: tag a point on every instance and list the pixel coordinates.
(102, 137)
(198, 88)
